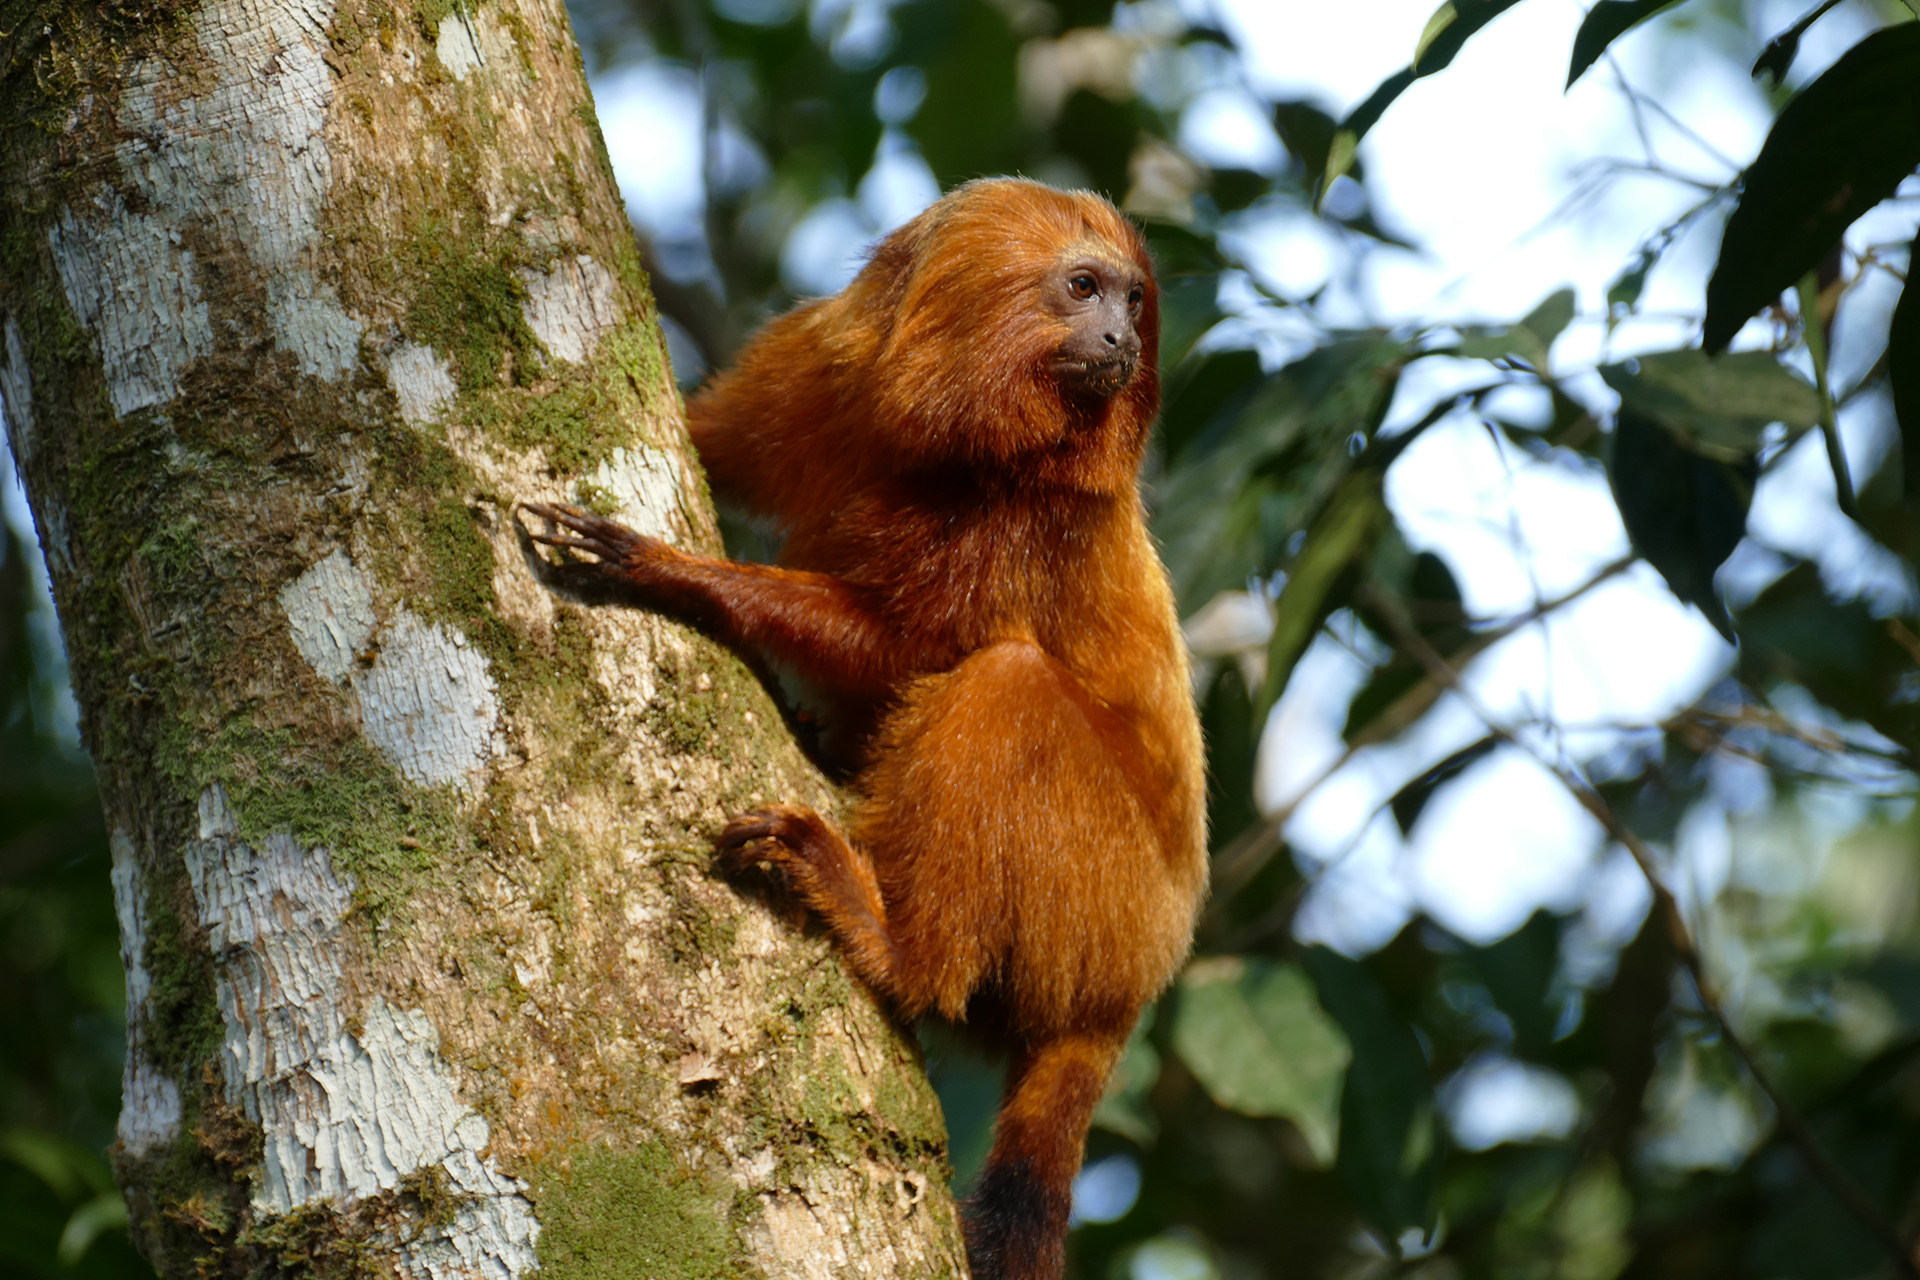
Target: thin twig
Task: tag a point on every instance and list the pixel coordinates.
(1815, 336)
(1633, 108)
(1791, 1122)
(1768, 720)
(1606, 167)
(1635, 99)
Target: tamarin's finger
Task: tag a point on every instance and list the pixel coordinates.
(581, 521)
(573, 544)
(611, 542)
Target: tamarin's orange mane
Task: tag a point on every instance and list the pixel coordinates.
(936, 352)
(963, 370)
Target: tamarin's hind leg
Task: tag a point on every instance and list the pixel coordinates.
(826, 873)
(1016, 1220)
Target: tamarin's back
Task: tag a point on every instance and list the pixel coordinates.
(950, 447)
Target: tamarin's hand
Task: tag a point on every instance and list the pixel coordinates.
(951, 447)
(620, 552)
(806, 623)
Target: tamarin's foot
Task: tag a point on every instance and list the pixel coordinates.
(770, 837)
(823, 871)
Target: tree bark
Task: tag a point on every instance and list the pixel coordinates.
(427, 972)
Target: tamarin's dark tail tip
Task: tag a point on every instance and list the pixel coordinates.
(1015, 1223)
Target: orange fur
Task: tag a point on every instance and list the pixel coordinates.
(968, 582)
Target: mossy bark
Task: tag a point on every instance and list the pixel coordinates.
(427, 970)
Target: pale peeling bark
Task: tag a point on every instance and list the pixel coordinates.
(427, 974)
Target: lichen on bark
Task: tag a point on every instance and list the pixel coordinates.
(427, 968)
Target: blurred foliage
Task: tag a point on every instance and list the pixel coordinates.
(62, 1000)
(1284, 1111)
(1288, 1110)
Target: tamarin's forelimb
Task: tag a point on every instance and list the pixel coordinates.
(807, 621)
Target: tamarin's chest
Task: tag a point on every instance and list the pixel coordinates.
(956, 570)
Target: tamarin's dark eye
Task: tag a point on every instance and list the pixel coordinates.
(1083, 286)
(1136, 297)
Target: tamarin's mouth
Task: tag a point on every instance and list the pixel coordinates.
(1096, 377)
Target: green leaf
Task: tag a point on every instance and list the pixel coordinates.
(1206, 395)
(1307, 133)
(1446, 33)
(1623, 295)
(1903, 365)
(1838, 149)
(1442, 18)
(1346, 139)
(1448, 30)
(1530, 340)
(1683, 512)
(1226, 723)
(1341, 536)
(105, 1212)
(1099, 134)
(1188, 311)
(1408, 802)
(1550, 319)
(1718, 408)
(67, 1168)
(1400, 691)
(1518, 972)
(1253, 1034)
(1234, 189)
(971, 113)
(1388, 1138)
(1234, 496)
(1605, 23)
(1777, 58)
(1182, 251)
(1837, 650)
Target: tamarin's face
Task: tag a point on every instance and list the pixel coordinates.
(1099, 297)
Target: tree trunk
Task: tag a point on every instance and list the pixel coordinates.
(427, 972)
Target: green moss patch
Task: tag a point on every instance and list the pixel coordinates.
(635, 1214)
(581, 413)
(183, 1027)
(380, 829)
(469, 310)
(53, 55)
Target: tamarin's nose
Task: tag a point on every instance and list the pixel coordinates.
(1113, 339)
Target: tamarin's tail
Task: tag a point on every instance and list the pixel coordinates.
(1016, 1221)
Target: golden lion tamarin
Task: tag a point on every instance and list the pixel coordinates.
(950, 447)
